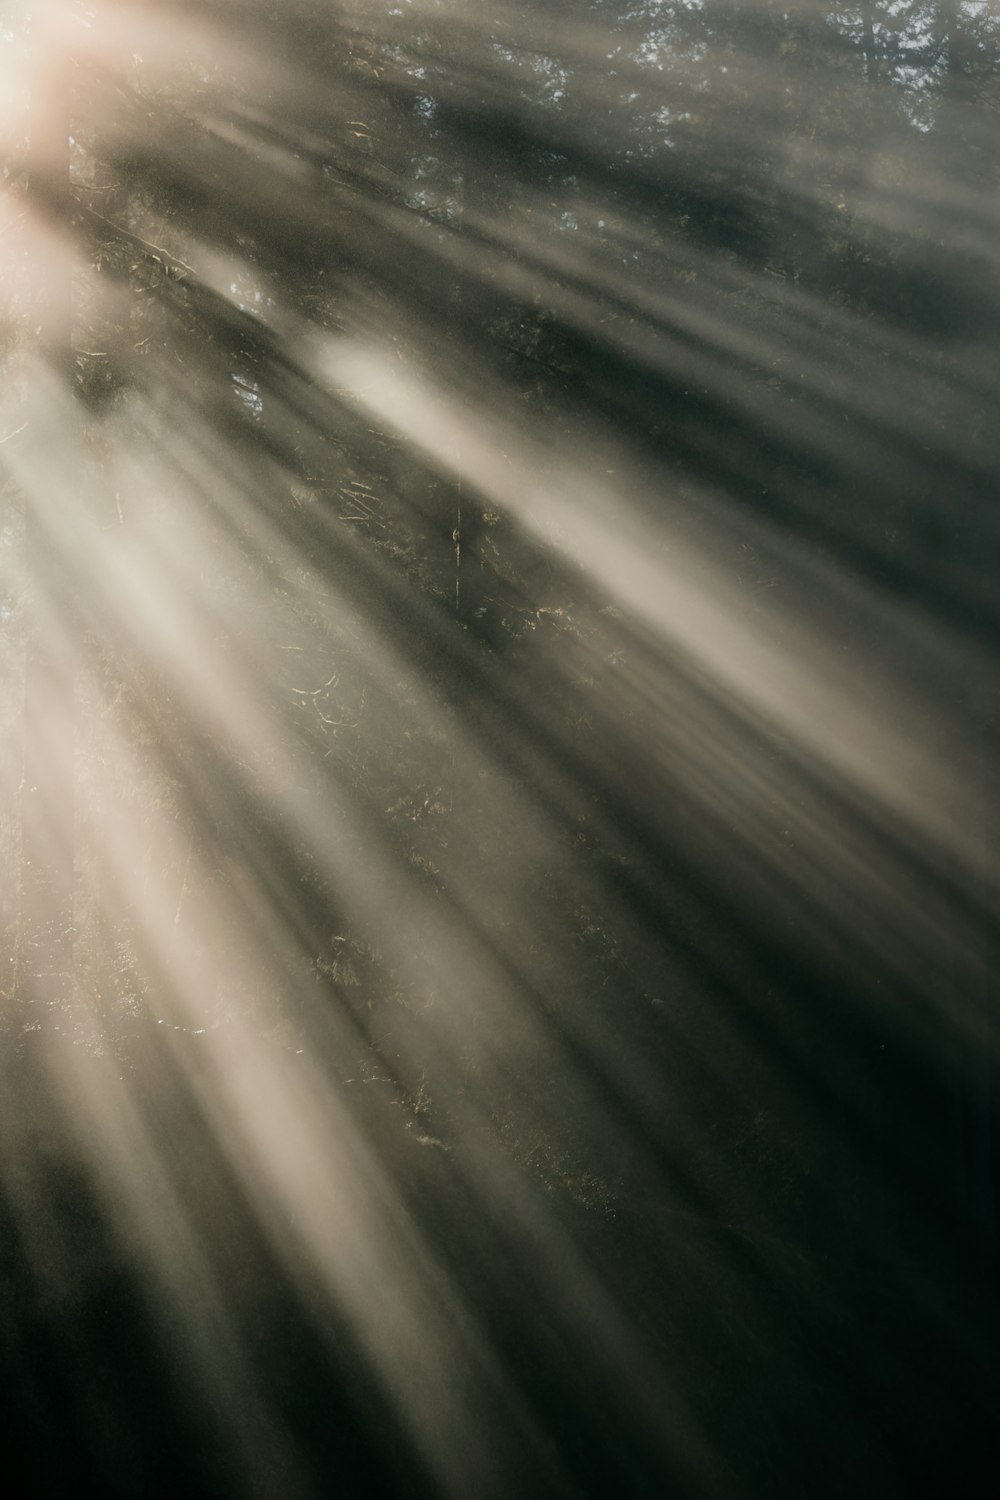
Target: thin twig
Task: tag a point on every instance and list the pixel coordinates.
(157, 251)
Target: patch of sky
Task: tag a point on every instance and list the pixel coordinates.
(249, 393)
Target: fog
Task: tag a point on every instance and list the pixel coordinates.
(498, 747)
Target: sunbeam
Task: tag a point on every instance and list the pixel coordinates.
(498, 747)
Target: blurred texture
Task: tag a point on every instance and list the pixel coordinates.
(498, 747)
